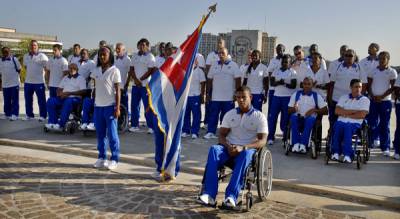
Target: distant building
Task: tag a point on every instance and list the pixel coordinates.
(239, 42)
(11, 38)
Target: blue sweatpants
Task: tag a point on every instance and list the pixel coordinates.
(217, 157)
(107, 129)
(308, 124)
(140, 93)
(217, 112)
(379, 121)
(279, 105)
(342, 138)
(396, 142)
(88, 114)
(257, 101)
(54, 104)
(332, 117)
(53, 91)
(193, 109)
(11, 101)
(124, 99)
(39, 89)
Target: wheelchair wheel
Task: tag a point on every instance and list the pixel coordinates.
(45, 129)
(358, 157)
(264, 174)
(249, 201)
(314, 152)
(123, 120)
(287, 149)
(365, 144)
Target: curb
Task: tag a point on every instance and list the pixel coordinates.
(329, 192)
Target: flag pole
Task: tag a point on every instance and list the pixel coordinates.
(211, 9)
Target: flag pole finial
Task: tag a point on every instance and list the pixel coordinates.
(211, 9)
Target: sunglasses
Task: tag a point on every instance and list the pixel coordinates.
(349, 55)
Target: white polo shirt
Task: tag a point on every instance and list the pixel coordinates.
(142, 63)
(223, 76)
(104, 85)
(198, 77)
(342, 78)
(381, 80)
(85, 67)
(273, 65)
(35, 68)
(287, 76)
(368, 64)
(123, 64)
(56, 66)
(301, 68)
(200, 60)
(397, 84)
(306, 102)
(255, 78)
(334, 65)
(9, 75)
(347, 102)
(74, 59)
(323, 62)
(72, 83)
(321, 77)
(213, 57)
(159, 61)
(244, 128)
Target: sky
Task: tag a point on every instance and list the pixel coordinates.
(329, 23)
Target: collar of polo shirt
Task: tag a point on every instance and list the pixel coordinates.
(357, 98)
(354, 65)
(33, 53)
(73, 76)
(8, 58)
(305, 94)
(142, 54)
(369, 58)
(248, 113)
(225, 63)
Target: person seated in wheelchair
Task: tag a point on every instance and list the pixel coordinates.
(243, 131)
(351, 110)
(304, 107)
(69, 92)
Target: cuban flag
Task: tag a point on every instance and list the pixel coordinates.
(168, 90)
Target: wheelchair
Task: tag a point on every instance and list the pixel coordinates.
(360, 144)
(258, 173)
(74, 120)
(314, 145)
(123, 121)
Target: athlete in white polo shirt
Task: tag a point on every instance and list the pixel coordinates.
(123, 63)
(201, 61)
(242, 132)
(76, 56)
(56, 69)
(284, 80)
(223, 78)
(160, 59)
(107, 107)
(255, 77)
(351, 110)
(319, 75)
(369, 63)
(143, 64)
(304, 106)
(69, 95)
(334, 65)
(35, 63)
(340, 80)
(9, 82)
(396, 141)
(193, 105)
(314, 49)
(300, 65)
(380, 87)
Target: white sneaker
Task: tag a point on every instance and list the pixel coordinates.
(56, 127)
(303, 148)
(270, 142)
(335, 156)
(396, 156)
(210, 136)
(386, 153)
(91, 127)
(295, 147)
(49, 126)
(112, 165)
(134, 129)
(194, 136)
(27, 118)
(13, 118)
(377, 143)
(206, 199)
(100, 163)
(156, 175)
(150, 131)
(83, 126)
(41, 119)
(347, 159)
(230, 202)
(184, 135)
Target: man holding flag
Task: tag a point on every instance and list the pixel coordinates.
(168, 91)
